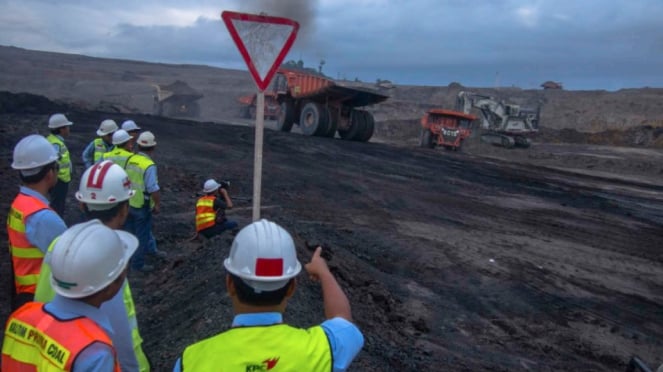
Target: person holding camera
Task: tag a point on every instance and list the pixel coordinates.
(210, 209)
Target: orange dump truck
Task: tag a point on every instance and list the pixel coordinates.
(445, 128)
(320, 106)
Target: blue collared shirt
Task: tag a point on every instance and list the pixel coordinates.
(118, 318)
(43, 226)
(345, 339)
(151, 178)
(98, 356)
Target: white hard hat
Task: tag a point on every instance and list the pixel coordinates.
(146, 139)
(263, 255)
(130, 125)
(120, 136)
(103, 185)
(33, 152)
(58, 120)
(107, 126)
(211, 186)
(88, 257)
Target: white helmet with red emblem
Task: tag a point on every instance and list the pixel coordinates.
(263, 255)
(103, 185)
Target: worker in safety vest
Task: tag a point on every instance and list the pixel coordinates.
(142, 172)
(121, 152)
(95, 150)
(210, 209)
(133, 129)
(60, 128)
(70, 333)
(31, 223)
(104, 193)
(262, 266)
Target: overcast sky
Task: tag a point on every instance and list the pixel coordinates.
(584, 44)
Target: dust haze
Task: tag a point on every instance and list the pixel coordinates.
(302, 11)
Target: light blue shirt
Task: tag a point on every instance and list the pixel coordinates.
(345, 339)
(98, 357)
(43, 226)
(150, 177)
(118, 318)
(88, 153)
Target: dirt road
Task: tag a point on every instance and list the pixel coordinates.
(451, 261)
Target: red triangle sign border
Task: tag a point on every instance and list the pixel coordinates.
(229, 16)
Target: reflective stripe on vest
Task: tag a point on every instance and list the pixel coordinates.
(118, 155)
(26, 258)
(37, 341)
(279, 346)
(136, 340)
(99, 149)
(136, 167)
(45, 293)
(64, 174)
(205, 213)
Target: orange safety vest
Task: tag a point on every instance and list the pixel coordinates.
(35, 340)
(26, 258)
(205, 213)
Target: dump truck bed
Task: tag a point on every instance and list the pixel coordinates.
(304, 85)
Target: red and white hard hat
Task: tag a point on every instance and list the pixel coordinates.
(263, 255)
(107, 126)
(58, 121)
(103, 185)
(88, 257)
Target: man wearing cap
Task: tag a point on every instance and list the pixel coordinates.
(133, 129)
(59, 126)
(142, 172)
(104, 193)
(262, 266)
(121, 151)
(71, 333)
(31, 223)
(210, 209)
(99, 146)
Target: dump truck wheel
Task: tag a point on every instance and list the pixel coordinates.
(313, 119)
(332, 123)
(369, 127)
(357, 125)
(426, 139)
(286, 116)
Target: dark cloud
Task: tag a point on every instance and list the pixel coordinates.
(585, 44)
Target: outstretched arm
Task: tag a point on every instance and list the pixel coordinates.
(335, 301)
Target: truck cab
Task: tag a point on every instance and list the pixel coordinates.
(445, 128)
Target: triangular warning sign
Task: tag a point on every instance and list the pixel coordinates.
(263, 41)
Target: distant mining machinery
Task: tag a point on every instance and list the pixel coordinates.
(502, 124)
(176, 100)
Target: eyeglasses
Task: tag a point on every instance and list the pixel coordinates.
(56, 167)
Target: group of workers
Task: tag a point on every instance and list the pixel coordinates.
(73, 307)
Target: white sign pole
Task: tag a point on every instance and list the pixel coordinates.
(257, 158)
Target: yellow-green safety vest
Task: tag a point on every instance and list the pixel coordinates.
(64, 174)
(278, 347)
(45, 293)
(136, 167)
(118, 155)
(100, 148)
